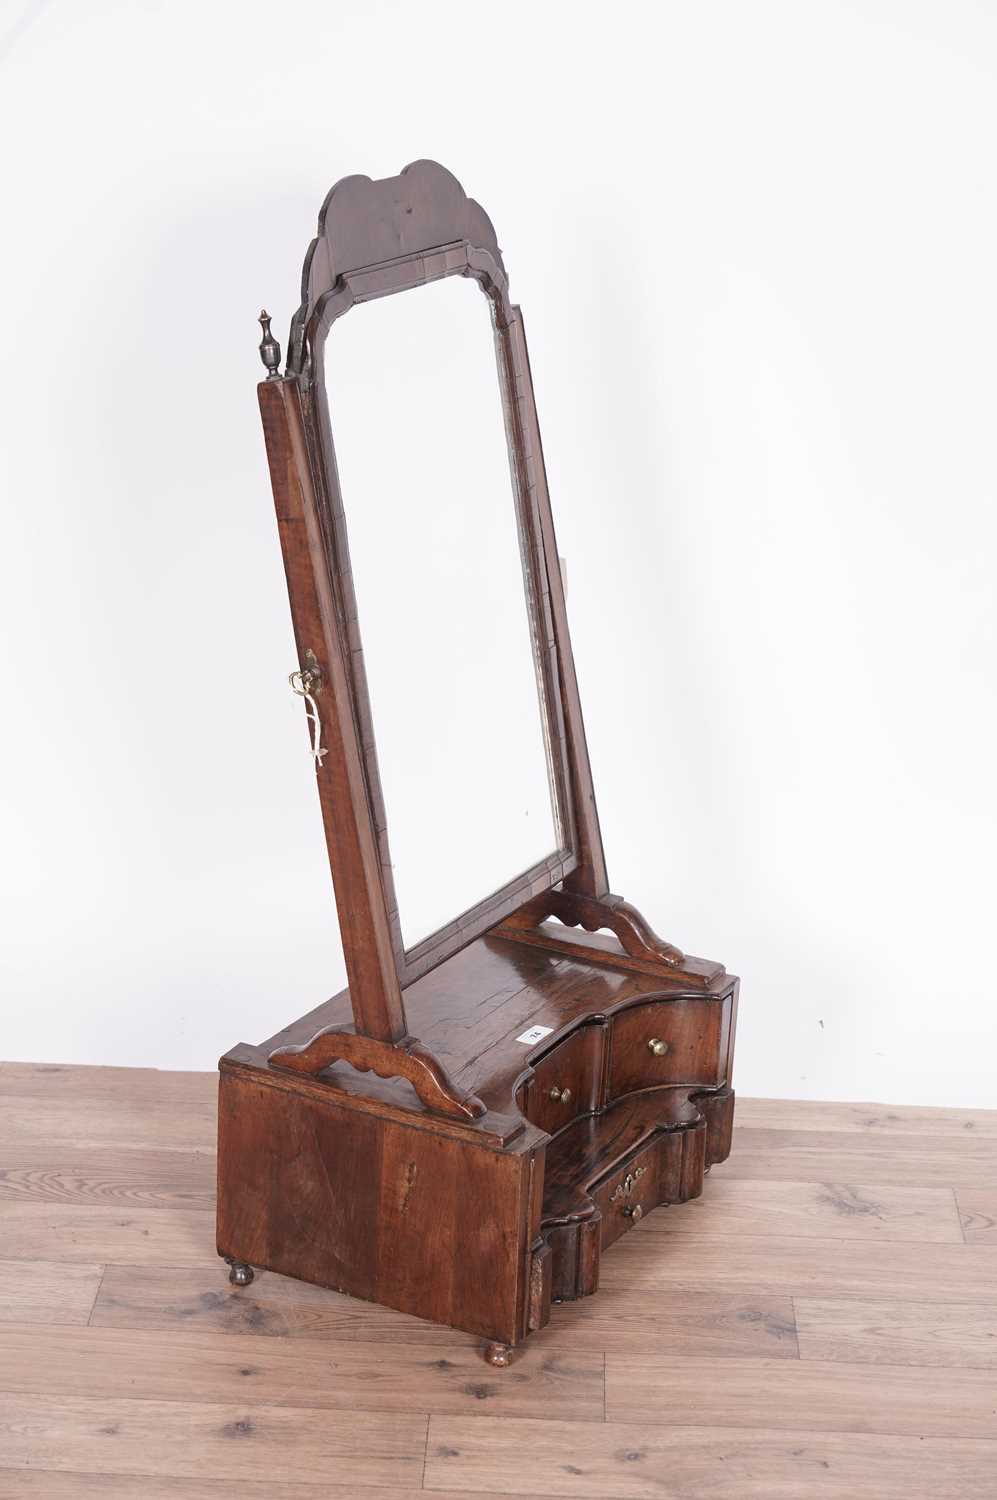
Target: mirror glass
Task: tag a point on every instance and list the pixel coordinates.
(449, 651)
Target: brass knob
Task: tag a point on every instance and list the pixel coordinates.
(563, 1094)
(659, 1048)
(634, 1211)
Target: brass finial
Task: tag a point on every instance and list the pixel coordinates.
(269, 348)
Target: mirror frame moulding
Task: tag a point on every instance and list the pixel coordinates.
(344, 267)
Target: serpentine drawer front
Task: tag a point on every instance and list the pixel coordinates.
(668, 1041)
(566, 1082)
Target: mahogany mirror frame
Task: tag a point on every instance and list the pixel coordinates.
(323, 305)
(375, 239)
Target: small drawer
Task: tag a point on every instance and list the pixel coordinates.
(668, 1041)
(565, 1083)
(629, 1192)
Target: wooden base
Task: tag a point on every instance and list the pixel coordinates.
(604, 1092)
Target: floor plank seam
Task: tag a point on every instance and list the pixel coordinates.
(471, 1413)
(318, 1485)
(333, 1347)
(879, 1364)
(732, 1425)
(723, 1232)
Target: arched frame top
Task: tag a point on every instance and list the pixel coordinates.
(364, 225)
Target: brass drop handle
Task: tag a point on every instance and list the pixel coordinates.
(658, 1047)
(307, 680)
(634, 1211)
(563, 1094)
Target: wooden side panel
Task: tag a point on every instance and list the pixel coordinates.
(575, 1252)
(718, 1111)
(450, 1230)
(298, 1186)
(669, 1182)
(417, 1221)
(693, 1162)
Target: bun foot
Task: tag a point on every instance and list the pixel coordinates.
(498, 1354)
(239, 1273)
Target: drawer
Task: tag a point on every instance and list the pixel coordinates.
(669, 1041)
(629, 1192)
(565, 1083)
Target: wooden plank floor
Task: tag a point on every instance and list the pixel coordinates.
(822, 1322)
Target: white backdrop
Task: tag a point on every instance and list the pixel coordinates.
(755, 246)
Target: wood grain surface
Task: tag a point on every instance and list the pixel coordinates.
(828, 1332)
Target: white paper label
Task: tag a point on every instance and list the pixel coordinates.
(535, 1034)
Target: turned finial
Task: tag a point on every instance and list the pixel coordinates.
(269, 348)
